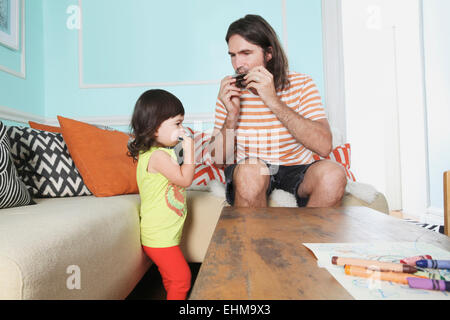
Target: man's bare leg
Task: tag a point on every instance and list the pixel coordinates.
(250, 181)
(324, 183)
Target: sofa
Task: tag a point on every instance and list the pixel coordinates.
(88, 247)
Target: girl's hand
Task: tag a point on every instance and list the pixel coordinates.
(188, 149)
(187, 143)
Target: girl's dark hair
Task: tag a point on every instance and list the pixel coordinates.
(257, 31)
(152, 108)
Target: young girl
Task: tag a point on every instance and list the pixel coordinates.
(157, 124)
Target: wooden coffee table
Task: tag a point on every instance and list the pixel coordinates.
(257, 254)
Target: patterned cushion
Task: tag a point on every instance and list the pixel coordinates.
(341, 155)
(205, 173)
(13, 192)
(201, 141)
(205, 170)
(44, 164)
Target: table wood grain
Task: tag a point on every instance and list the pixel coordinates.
(257, 254)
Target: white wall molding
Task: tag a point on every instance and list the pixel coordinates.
(23, 117)
(83, 85)
(333, 63)
(19, 116)
(125, 120)
(22, 73)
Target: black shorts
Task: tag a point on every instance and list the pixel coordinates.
(287, 178)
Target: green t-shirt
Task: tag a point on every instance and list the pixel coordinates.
(163, 205)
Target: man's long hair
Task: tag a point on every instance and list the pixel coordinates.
(256, 30)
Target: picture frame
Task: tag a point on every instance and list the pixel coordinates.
(9, 23)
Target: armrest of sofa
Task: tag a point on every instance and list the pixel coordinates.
(379, 203)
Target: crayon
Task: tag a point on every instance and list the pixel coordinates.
(377, 265)
(434, 264)
(412, 260)
(430, 275)
(428, 284)
(362, 272)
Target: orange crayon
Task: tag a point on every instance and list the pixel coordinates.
(373, 264)
(362, 272)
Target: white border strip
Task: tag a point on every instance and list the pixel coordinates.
(22, 73)
(146, 84)
(83, 85)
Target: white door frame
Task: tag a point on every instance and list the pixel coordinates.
(415, 187)
(333, 64)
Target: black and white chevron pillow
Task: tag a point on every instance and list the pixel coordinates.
(13, 193)
(44, 163)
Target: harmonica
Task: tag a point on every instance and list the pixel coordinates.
(239, 80)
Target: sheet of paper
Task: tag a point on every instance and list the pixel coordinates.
(369, 289)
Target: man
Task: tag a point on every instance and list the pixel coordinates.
(272, 125)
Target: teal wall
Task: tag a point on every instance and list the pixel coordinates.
(142, 41)
(25, 94)
(145, 41)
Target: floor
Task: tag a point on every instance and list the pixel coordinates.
(400, 214)
(151, 288)
(396, 214)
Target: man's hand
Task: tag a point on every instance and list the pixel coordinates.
(230, 95)
(260, 81)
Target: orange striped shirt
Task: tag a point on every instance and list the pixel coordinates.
(259, 133)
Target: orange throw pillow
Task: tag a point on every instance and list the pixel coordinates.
(101, 157)
(44, 127)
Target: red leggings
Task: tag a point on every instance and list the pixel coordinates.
(174, 270)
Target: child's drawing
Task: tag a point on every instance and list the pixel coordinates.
(369, 289)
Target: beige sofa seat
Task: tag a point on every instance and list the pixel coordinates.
(100, 236)
(203, 213)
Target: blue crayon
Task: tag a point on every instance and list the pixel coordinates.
(433, 264)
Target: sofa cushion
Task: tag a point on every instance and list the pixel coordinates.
(44, 163)
(13, 191)
(342, 155)
(101, 157)
(205, 170)
(44, 127)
